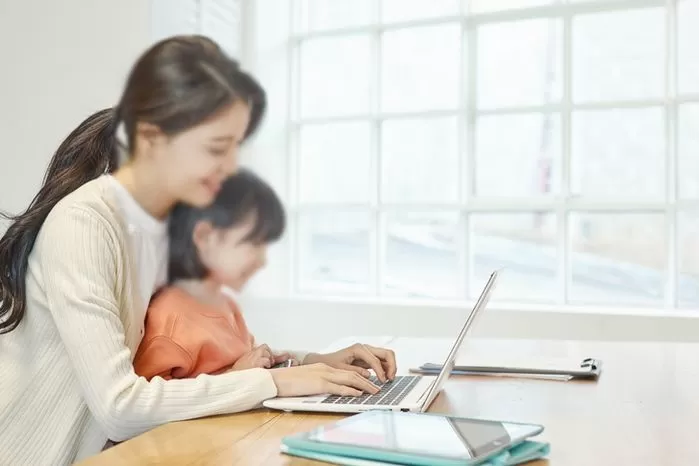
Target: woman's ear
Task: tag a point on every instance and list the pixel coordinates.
(148, 136)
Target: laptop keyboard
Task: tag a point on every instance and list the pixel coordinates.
(391, 393)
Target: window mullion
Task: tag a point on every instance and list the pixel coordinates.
(671, 154)
(379, 231)
(200, 17)
(462, 241)
(468, 181)
(564, 243)
(292, 159)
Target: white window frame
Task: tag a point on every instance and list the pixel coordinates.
(560, 205)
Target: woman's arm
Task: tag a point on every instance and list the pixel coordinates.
(78, 253)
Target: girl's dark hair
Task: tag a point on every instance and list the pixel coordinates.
(242, 196)
(177, 84)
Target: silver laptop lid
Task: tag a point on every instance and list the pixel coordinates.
(451, 358)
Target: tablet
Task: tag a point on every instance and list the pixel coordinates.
(392, 435)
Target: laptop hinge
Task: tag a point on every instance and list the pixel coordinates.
(423, 400)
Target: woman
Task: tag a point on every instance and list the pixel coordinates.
(77, 269)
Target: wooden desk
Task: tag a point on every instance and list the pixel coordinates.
(643, 410)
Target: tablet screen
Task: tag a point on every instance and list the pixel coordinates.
(427, 435)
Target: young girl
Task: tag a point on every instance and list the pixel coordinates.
(194, 325)
(79, 266)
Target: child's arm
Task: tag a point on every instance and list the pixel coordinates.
(160, 356)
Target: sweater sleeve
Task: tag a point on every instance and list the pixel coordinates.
(78, 256)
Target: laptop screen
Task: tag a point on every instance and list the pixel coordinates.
(448, 365)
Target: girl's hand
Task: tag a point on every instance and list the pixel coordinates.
(289, 361)
(316, 379)
(260, 356)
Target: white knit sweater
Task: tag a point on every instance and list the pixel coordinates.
(67, 382)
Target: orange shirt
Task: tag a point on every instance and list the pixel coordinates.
(185, 338)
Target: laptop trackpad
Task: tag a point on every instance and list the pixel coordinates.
(314, 399)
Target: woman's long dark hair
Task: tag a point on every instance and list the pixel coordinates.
(178, 83)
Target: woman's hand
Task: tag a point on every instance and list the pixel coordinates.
(259, 356)
(316, 379)
(358, 358)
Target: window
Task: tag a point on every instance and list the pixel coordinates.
(217, 19)
(433, 142)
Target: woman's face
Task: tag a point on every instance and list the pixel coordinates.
(194, 163)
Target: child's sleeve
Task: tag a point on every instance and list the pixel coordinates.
(160, 356)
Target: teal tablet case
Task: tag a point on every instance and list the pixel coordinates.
(348, 455)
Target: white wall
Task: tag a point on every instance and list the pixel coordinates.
(59, 62)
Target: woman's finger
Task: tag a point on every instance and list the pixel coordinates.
(387, 368)
(352, 379)
(362, 353)
(341, 390)
(358, 369)
(388, 360)
(360, 363)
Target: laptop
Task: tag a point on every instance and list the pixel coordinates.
(412, 393)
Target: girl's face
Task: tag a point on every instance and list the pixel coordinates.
(194, 163)
(231, 260)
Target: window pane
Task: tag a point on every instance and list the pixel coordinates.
(618, 259)
(687, 40)
(420, 160)
(420, 68)
(619, 153)
(335, 76)
(519, 63)
(524, 246)
(272, 280)
(334, 250)
(322, 15)
(619, 56)
(406, 10)
(422, 257)
(688, 163)
(335, 160)
(530, 151)
(487, 6)
(688, 250)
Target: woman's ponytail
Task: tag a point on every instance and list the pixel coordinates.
(88, 152)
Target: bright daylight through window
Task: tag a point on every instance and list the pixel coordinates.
(434, 141)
